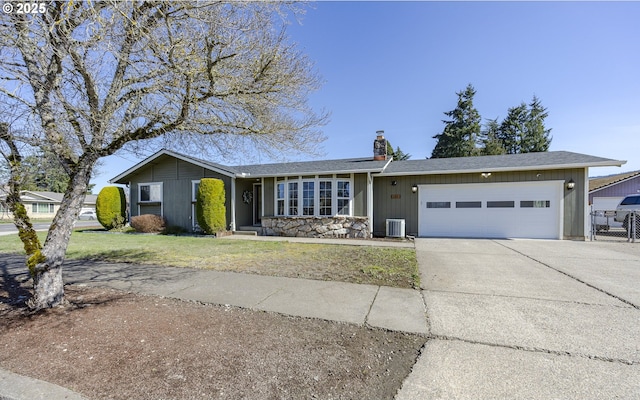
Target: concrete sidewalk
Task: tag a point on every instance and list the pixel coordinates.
(528, 319)
(376, 306)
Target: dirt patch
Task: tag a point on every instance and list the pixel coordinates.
(108, 344)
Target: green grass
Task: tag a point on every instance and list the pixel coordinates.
(384, 266)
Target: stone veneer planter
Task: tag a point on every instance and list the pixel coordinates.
(318, 227)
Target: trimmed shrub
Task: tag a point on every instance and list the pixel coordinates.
(148, 223)
(210, 209)
(111, 207)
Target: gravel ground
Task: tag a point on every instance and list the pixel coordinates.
(107, 344)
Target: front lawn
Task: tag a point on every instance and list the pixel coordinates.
(396, 267)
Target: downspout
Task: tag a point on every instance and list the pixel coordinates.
(370, 203)
(232, 226)
(587, 210)
(262, 199)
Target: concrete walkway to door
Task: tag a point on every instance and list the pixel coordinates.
(528, 319)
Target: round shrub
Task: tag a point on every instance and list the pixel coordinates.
(210, 209)
(148, 223)
(111, 207)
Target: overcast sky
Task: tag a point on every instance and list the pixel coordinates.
(396, 66)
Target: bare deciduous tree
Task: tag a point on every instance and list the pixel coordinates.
(89, 78)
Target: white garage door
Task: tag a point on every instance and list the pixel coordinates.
(492, 210)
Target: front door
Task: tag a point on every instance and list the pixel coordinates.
(257, 204)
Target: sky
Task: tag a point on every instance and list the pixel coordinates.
(396, 66)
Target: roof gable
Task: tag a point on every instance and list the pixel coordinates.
(30, 195)
(222, 169)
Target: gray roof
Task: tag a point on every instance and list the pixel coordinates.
(50, 197)
(601, 182)
(507, 162)
(350, 165)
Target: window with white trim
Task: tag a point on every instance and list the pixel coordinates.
(325, 198)
(42, 208)
(293, 198)
(150, 192)
(280, 198)
(195, 186)
(308, 198)
(343, 198)
(303, 196)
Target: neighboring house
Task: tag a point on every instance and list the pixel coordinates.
(44, 205)
(534, 195)
(606, 192)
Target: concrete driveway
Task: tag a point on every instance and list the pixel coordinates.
(528, 319)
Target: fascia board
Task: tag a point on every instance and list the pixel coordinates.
(509, 169)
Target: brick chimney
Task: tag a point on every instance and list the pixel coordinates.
(380, 147)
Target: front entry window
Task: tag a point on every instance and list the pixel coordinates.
(322, 196)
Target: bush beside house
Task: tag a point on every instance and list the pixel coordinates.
(111, 207)
(210, 209)
(148, 223)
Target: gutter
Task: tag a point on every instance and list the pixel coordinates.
(498, 169)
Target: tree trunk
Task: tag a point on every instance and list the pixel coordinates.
(48, 286)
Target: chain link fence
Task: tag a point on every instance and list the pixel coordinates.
(606, 225)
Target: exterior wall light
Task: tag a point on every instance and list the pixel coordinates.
(414, 188)
(485, 174)
(571, 184)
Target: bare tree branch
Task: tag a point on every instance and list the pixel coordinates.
(89, 78)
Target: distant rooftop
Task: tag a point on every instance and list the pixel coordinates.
(604, 181)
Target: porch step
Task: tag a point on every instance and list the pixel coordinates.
(247, 230)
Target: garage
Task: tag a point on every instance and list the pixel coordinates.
(492, 210)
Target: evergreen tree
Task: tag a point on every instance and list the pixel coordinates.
(512, 129)
(398, 155)
(41, 172)
(536, 137)
(523, 130)
(489, 139)
(458, 139)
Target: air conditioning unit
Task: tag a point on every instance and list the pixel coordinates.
(395, 228)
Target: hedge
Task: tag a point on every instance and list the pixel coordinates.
(210, 209)
(111, 207)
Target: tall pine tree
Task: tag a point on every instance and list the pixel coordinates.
(523, 130)
(490, 142)
(536, 137)
(397, 154)
(512, 129)
(458, 139)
